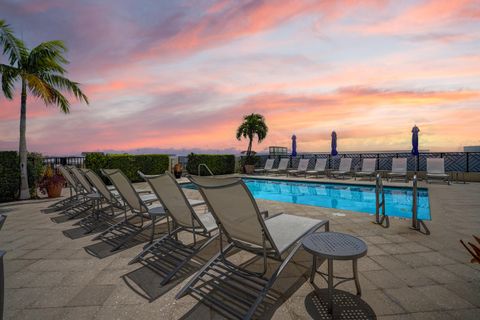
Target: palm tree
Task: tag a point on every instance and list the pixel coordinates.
(253, 124)
(41, 73)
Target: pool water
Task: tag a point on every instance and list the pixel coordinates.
(360, 198)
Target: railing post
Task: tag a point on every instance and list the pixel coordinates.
(468, 162)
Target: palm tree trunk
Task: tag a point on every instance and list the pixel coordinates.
(24, 190)
(249, 149)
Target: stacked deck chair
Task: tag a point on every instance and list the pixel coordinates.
(168, 255)
(399, 169)
(241, 290)
(86, 194)
(344, 169)
(282, 167)
(110, 200)
(268, 166)
(77, 194)
(124, 231)
(369, 167)
(436, 170)
(301, 169)
(320, 168)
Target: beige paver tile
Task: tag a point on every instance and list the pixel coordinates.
(468, 314)
(92, 295)
(439, 274)
(411, 300)
(384, 279)
(444, 298)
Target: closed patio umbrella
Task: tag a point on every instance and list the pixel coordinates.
(334, 144)
(294, 146)
(415, 132)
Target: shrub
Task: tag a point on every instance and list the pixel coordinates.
(218, 163)
(129, 164)
(9, 176)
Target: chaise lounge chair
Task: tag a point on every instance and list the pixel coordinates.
(344, 168)
(138, 207)
(301, 169)
(76, 198)
(436, 170)
(268, 166)
(168, 251)
(399, 169)
(241, 223)
(282, 167)
(369, 167)
(320, 168)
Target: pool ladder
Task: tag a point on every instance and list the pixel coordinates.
(206, 167)
(417, 224)
(381, 217)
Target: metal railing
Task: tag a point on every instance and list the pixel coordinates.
(381, 218)
(206, 167)
(417, 224)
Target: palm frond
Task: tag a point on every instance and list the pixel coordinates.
(9, 75)
(48, 57)
(13, 47)
(39, 88)
(64, 84)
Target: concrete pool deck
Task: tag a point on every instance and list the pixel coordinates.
(405, 275)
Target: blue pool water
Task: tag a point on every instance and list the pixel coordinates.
(398, 201)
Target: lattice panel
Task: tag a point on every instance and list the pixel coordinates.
(474, 162)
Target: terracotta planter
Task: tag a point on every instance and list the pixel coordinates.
(249, 168)
(54, 190)
(177, 170)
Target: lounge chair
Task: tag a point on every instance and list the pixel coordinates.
(282, 167)
(436, 170)
(369, 167)
(77, 194)
(268, 166)
(344, 168)
(111, 198)
(241, 223)
(167, 249)
(138, 207)
(399, 169)
(301, 169)
(2, 276)
(320, 168)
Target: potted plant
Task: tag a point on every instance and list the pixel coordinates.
(252, 125)
(177, 170)
(51, 183)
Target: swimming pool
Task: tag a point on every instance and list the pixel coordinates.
(360, 198)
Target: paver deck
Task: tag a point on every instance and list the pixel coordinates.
(405, 275)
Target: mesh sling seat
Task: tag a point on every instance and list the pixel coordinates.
(320, 168)
(169, 254)
(138, 207)
(344, 168)
(436, 170)
(282, 167)
(301, 169)
(77, 194)
(268, 166)
(241, 223)
(399, 169)
(369, 167)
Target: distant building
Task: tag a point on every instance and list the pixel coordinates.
(471, 149)
(277, 151)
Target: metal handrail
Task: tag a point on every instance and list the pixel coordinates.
(206, 167)
(382, 220)
(417, 224)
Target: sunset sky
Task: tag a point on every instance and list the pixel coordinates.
(181, 74)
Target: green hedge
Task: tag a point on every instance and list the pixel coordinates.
(10, 174)
(218, 163)
(129, 164)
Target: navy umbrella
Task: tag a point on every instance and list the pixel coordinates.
(415, 132)
(334, 144)
(294, 146)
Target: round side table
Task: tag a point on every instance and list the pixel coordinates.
(334, 246)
